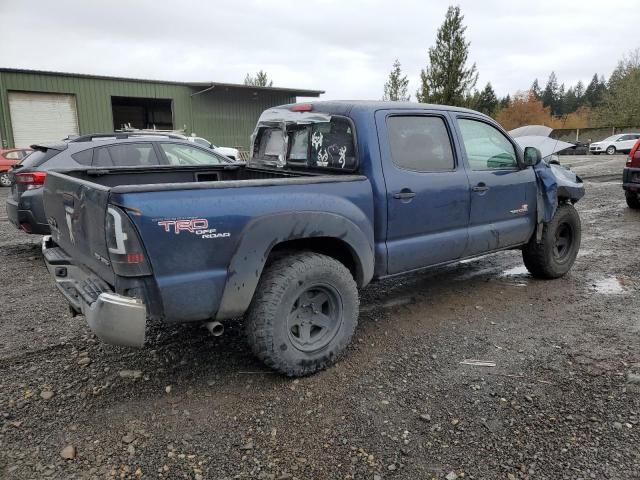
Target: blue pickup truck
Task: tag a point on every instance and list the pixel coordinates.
(334, 195)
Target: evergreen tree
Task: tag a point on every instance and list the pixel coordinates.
(620, 103)
(487, 101)
(579, 92)
(396, 87)
(261, 79)
(535, 89)
(447, 79)
(570, 101)
(594, 91)
(505, 101)
(551, 93)
(559, 107)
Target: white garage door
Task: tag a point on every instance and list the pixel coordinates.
(42, 117)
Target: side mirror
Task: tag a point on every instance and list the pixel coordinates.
(532, 156)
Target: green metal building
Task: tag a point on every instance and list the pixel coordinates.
(38, 106)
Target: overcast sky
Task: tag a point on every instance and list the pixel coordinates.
(345, 47)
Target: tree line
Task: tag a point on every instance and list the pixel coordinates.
(448, 79)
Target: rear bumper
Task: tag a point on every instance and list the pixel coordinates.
(115, 319)
(31, 217)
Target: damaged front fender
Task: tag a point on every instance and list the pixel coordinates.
(555, 184)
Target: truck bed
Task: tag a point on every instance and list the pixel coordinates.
(180, 175)
(210, 271)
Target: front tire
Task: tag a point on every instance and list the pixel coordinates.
(611, 150)
(554, 256)
(633, 200)
(303, 314)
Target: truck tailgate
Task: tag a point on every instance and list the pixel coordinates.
(76, 212)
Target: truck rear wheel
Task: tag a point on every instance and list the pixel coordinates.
(303, 313)
(555, 254)
(633, 199)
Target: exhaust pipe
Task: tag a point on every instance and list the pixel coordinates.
(216, 328)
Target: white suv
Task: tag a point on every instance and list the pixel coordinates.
(620, 143)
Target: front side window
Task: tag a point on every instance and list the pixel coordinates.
(487, 148)
(420, 143)
(179, 154)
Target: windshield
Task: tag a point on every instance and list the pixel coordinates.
(319, 145)
(611, 138)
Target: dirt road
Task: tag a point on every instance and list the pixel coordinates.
(562, 402)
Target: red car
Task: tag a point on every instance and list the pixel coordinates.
(8, 158)
(631, 177)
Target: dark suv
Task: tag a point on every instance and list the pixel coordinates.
(25, 208)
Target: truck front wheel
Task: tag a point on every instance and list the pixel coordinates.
(633, 199)
(555, 254)
(303, 313)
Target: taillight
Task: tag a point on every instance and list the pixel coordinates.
(125, 250)
(634, 156)
(31, 180)
(302, 107)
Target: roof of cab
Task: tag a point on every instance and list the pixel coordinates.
(343, 107)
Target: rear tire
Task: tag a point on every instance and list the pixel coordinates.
(4, 180)
(554, 256)
(611, 150)
(633, 200)
(303, 313)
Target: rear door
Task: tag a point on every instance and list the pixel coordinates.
(503, 195)
(427, 189)
(626, 142)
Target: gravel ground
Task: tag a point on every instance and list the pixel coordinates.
(562, 402)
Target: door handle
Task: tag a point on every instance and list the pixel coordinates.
(481, 187)
(404, 194)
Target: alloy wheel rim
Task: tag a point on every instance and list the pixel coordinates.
(315, 318)
(563, 241)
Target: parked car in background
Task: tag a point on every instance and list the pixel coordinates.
(25, 208)
(631, 177)
(335, 194)
(232, 153)
(8, 158)
(620, 143)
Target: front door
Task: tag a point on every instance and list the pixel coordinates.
(503, 195)
(427, 190)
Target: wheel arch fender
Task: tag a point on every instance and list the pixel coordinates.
(299, 230)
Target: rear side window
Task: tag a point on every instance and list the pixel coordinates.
(38, 157)
(83, 157)
(125, 155)
(332, 145)
(420, 143)
(321, 145)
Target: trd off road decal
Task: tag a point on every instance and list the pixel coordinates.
(196, 226)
